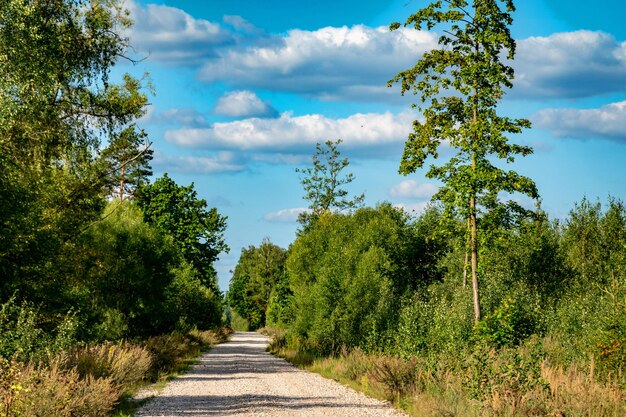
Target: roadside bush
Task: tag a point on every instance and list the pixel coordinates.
(452, 318)
(514, 320)
(52, 391)
(397, 375)
(22, 336)
(123, 364)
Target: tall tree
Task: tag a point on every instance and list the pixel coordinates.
(460, 85)
(196, 230)
(323, 182)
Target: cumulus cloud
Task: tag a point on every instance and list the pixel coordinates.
(172, 36)
(222, 162)
(243, 103)
(413, 189)
(329, 62)
(289, 215)
(296, 133)
(354, 63)
(608, 122)
(571, 64)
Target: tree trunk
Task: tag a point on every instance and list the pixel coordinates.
(122, 184)
(473, 211)
(467, 251)
(474, 251)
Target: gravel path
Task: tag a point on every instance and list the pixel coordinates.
(239, 378)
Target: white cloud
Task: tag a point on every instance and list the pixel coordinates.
(413, 189)
(243, 103)
(355, 63)
(608, 122)
(570, 64)
(371, 130)
(222, 162)
(329, 62)
(174, 37)
(285, 216)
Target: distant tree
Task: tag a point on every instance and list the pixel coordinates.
(256, 275)
(323, 182)
(197, 231)
(127, 158)
(460, 85)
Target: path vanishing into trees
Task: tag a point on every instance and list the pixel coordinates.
(239, 378)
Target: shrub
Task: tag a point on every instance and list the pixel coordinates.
(123, 363)
(20, 335)
(505, 376)
(514, 320)
(397, 375)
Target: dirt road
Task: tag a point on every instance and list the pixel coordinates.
(239, 378)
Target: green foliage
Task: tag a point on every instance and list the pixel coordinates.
(56, 105)
(280, 311)
(348, 273)
(24, 337)
(195, 305)
(128, 265)
(514, 320)
(198, 232)
(323, 181)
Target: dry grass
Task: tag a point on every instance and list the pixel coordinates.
(170, 352)
(577, 393)
(124, 363)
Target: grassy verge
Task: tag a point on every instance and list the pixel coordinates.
(97, 380)
(482, 382)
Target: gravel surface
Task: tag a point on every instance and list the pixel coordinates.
(239, 378)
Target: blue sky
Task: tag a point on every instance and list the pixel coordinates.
(244, 90)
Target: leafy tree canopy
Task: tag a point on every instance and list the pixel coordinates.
(197, 230)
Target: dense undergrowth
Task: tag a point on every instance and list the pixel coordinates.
(481, 381)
